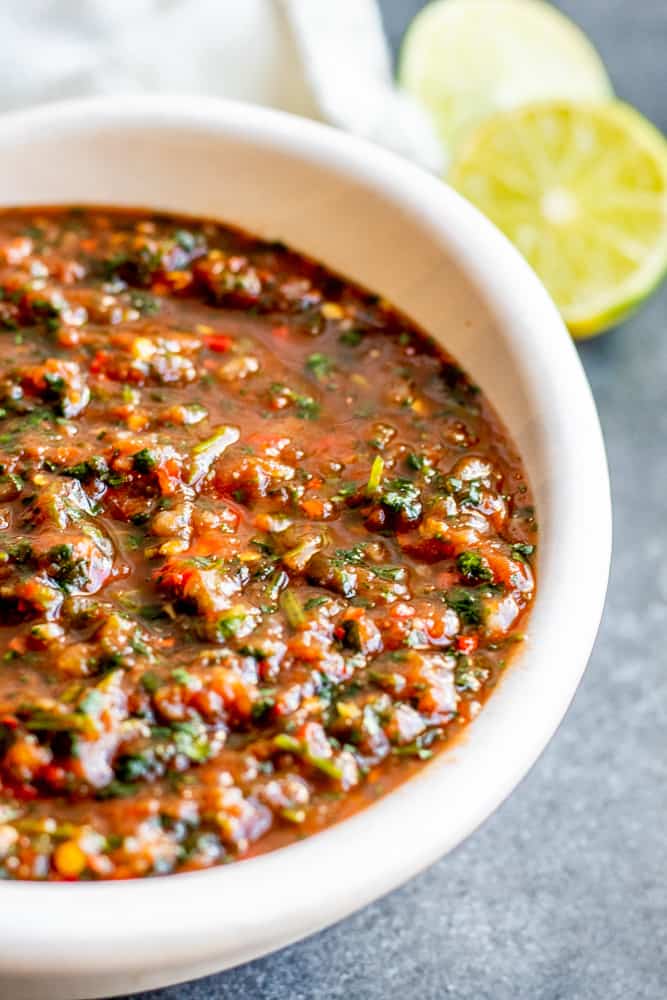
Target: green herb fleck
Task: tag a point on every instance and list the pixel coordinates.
(466, 604)
(351, 338)
(474, 567)
(144, 461)
(320, 365)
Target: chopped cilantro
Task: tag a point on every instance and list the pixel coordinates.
(68, 571)
(264, 703)
(150, 682)
(467, 605)
(117, 790)
(401, 496)
(307, 408)
(94, 467)
(356, 555)
(182, 676)
(133, 767)
(474, 567)
(145, 303)
(230, 623)
(319, 364)
(191, 740)
(420, 463)
(351, 338)
(144, 461)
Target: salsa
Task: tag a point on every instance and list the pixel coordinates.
(264, 547)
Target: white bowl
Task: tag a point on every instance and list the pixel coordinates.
(404, 234)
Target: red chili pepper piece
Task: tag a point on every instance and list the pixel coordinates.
(219, 343)
(467, 643)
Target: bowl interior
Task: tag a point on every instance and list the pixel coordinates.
(403, 234)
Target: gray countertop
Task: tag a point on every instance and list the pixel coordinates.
(561, 895)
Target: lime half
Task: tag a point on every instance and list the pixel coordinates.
(466, 59)
(581, 189)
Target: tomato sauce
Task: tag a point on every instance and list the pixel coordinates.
(264, 547)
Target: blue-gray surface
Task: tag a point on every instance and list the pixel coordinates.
(561, 895)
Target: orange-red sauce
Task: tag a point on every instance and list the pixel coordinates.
(263, 546)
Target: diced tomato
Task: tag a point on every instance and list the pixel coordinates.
(313, 508)
(218, 342)
(222, 544)
(68, 336)
(99, 362)
(25, 792)
(163, 642)
(467, 643)
(353, 614)
(173, 576)
(168, 476)
(53, 775)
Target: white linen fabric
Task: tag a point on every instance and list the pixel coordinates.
(326, 59)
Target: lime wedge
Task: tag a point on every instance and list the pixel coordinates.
(466, 59)
(581, 189)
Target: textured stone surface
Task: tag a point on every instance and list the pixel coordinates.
(561, 895)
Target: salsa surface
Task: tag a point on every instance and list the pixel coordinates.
(264, 548)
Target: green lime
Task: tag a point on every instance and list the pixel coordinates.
(466, 59)
(581, 190)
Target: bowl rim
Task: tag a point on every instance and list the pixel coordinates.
(277, 898)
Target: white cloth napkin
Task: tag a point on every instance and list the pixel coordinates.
(327, 59)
